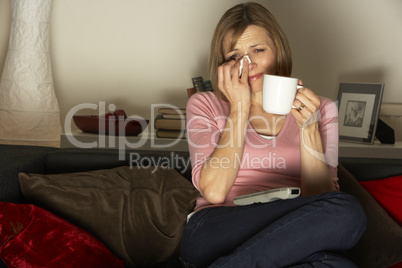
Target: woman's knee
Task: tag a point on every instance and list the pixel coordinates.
(348, 214)
(348, 207)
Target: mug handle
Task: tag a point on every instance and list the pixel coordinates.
(297, 87)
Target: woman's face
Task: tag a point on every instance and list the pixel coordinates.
(256, 43)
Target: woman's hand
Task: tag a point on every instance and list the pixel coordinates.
(216, 182)
(315, 177)
(307, 105)
(236, 89)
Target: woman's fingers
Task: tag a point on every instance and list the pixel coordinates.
(306, 104)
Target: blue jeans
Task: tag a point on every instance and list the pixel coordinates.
(301, 232)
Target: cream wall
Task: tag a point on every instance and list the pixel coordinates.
(345, 41)
(134, 53)
(126, 52)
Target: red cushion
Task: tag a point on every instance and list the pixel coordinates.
(398, 265)
(388, 193)
(33, 237)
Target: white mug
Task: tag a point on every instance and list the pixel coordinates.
(278, 93)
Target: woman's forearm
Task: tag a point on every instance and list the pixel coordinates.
(315, 177)
(220, 170)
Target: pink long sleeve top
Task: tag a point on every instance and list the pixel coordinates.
(265, 163)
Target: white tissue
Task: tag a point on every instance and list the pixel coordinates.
(241, 64)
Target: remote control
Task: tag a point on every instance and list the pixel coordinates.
(267, 196)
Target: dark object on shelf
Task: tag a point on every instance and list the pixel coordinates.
(114, 124)
(208, 85)
(190, 92)
(198, 83)
(384, 133)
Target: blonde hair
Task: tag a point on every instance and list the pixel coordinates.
(234, 22)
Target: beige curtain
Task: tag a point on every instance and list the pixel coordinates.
(29, 111)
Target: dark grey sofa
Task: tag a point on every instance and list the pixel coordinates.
(381, 246)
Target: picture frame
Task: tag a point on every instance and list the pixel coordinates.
(358, 110)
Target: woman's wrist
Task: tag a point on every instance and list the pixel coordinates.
(311, 136)
(240, 110)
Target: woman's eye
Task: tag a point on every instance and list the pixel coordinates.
(259, 50)
(234, 57)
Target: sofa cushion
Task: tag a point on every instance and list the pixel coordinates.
(381, 244)
(33, 237)
(69, 160)
(388, 193)
(139, 213)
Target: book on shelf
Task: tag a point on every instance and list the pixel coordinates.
(173, 116)
(168, 110)
(169, 124)
(175, 134)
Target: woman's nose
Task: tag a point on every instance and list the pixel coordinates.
(252, 64)
(246, 57)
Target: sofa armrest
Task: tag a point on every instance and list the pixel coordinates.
(15, 159)
(381, 244)
(372, 168)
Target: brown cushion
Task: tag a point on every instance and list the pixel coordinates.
(139, 213)
(381, 244)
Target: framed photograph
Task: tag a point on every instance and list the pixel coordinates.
(359, 107)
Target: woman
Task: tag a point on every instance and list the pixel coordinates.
(237, 148)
